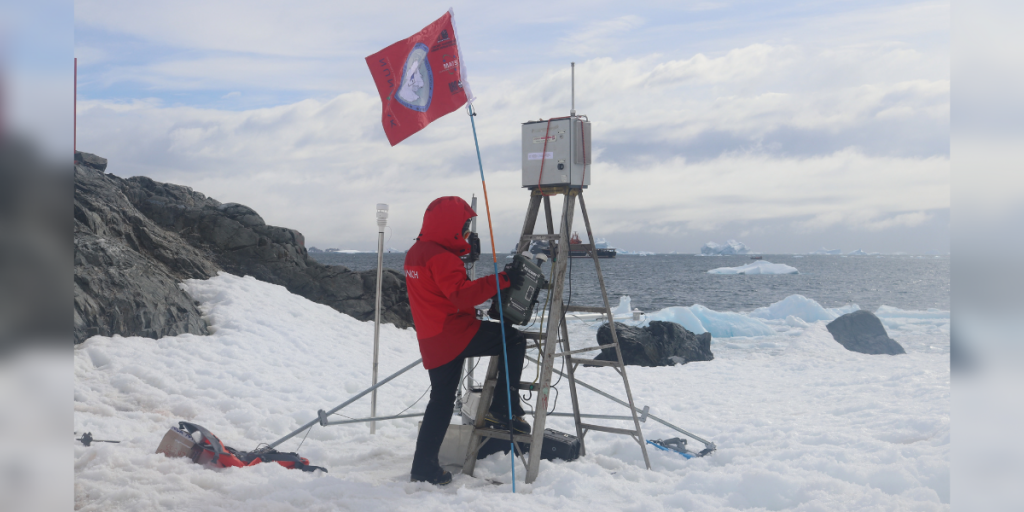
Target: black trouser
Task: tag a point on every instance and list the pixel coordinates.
(444, 381)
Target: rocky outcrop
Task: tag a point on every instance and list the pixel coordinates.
(862, 331)
(658, 344)
(136, 239)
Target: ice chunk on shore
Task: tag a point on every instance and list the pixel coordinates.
(623, 310)
(757, 267)
(699, 319)
(730, 247)
(803, 308)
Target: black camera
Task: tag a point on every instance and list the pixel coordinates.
(474, 249)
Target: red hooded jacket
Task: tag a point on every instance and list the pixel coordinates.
(441, 297)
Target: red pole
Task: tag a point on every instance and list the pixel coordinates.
(74, 142)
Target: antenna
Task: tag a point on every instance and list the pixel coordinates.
(572, 113)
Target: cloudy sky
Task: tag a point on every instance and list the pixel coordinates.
(785, 125)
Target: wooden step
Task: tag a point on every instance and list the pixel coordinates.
(542, 237)
(588, 349)
(586, 309)
(502, 434)
(595, 362)
(610, 430)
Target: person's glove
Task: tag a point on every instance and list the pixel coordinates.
(515, 276)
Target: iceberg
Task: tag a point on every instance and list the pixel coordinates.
(858, 252)
(634, 253)
(730, 247)
(830, 252)
(803, 308)
(757, 267)
(699, 320)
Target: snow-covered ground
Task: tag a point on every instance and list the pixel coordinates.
(800, 423)
(755, 268)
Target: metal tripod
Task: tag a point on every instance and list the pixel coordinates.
(554, 337)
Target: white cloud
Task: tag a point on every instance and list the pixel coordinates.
(846, 125)
(909, 220)
(317, 166)
(224, 72)
(597, 37)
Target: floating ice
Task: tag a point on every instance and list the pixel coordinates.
(757, 267)
(801, 307)
(858, 252)
(730, 247)
(699, 319)
(831, 252)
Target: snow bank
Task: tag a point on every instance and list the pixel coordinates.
(757, 267)
(730, 247)
(799, 424)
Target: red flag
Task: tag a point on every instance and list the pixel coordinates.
(420, 79)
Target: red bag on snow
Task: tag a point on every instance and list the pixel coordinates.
(212, 451)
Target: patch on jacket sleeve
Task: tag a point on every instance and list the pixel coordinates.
(412, 274)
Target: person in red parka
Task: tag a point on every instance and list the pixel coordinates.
(443, 303)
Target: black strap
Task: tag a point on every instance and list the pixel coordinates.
(214, 442)
(289, 457)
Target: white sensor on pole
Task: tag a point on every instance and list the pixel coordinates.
(382, 221)
(382, 216)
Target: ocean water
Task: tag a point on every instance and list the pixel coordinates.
(660, 281)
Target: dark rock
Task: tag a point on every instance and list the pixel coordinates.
(862, 331)
(658, 344)
(127, 268)
(136, 239)
(90, 160)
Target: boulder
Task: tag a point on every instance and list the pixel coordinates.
(90, 160)
(136, 239)
(127, 268)
(862, 331)
(658, 344)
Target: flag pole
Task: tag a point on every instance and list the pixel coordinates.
(497, 282)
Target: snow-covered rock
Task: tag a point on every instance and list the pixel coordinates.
(730, 247)
(757, 267)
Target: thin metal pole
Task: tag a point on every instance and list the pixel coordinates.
(472, 276)
(346, 403)
(75, 137)
(572, 112)
(382, 220)
(497, 283)
(379, 418)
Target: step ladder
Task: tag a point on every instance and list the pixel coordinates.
(553, 342)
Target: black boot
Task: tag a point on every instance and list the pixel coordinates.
(436, 476)
(501, 421)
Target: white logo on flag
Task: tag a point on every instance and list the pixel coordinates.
(417, 86)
